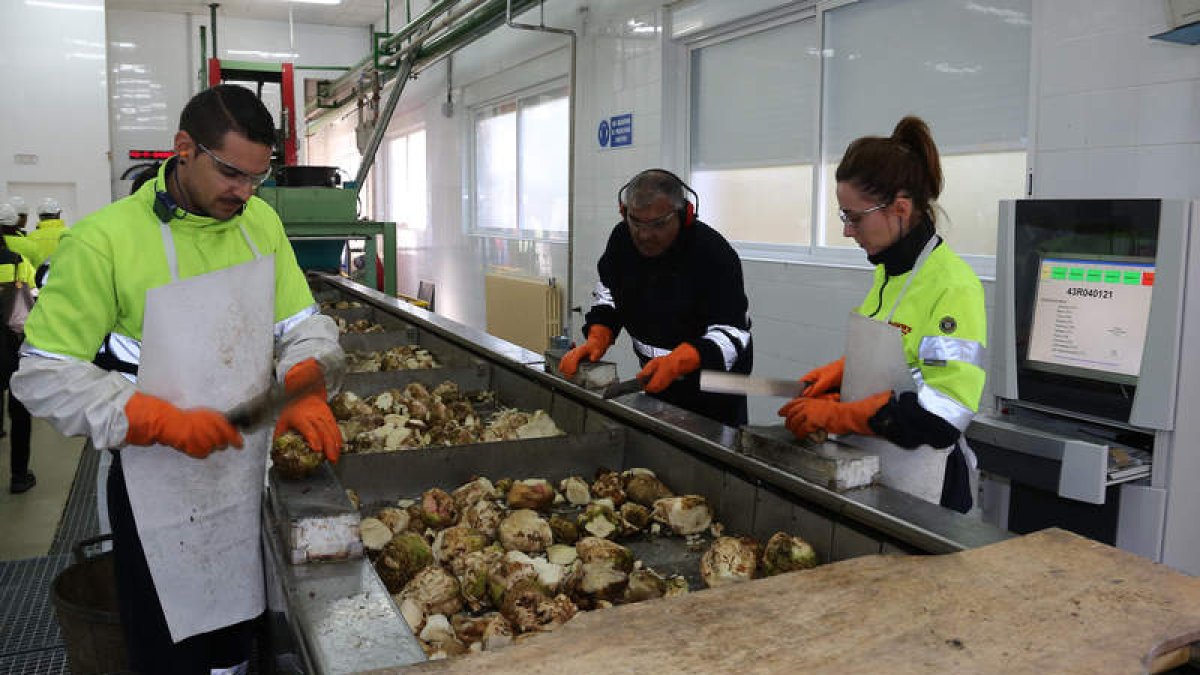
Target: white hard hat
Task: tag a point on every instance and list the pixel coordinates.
(8, 215)
(49, 206)
(18, 204)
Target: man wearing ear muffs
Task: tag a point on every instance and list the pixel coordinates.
(676, 285)
(163, 310)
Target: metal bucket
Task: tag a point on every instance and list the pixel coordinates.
(85, 600)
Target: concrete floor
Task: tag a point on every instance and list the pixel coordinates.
(28, 521)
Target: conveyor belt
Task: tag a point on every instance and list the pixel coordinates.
(693, 455)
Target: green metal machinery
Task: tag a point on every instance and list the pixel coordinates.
(319, 221)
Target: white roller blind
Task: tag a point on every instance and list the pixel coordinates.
(962, 65)
(754, 99)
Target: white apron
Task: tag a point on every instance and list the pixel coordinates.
(875, 362)
(207, 341)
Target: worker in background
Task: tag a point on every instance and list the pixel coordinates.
(14, 269)
(50, 229)
(13, 242)
(911, 377)
(22, 208)
(676, 285)
(163, 309)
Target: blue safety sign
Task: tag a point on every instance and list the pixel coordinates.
(616, 131)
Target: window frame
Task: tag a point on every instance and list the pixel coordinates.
(475, 112)
(812, 253)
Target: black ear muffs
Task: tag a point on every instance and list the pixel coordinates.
(165, 207)
(687, 214)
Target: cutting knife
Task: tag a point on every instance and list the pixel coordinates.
(721, 382)
(264, 407)
(620, 388)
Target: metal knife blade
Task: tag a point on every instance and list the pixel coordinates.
(265, 406)
(619, 388)
(720, 382)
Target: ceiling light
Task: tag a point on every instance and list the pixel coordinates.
(69, 5)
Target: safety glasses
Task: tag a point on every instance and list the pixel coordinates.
(233, 173)
(654, 224)
(853, 217)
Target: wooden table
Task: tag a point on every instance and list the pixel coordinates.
(1049, 602)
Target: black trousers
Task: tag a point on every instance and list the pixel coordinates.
(22, 423)
(956, 483)
(147, 638)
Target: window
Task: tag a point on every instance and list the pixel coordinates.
(753, 147)
(963, 67)
(763, 158)
(521, 167)
(407, 196)
(335, 145)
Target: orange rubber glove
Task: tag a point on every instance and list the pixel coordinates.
(825, 378)
(806, 415)
(195, 432)
(659, 373)
(309, 413)
(600, 338)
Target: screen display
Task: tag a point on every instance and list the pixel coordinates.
(1090, 317)
(1078, 333)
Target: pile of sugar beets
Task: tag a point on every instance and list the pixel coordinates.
(483, 565)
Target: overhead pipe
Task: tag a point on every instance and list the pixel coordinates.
(394, 41)
(203, 59)
(212, 20)
(441, 24)
(381, 124)
(473, 25)
(541, 27)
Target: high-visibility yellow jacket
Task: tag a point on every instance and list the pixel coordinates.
(23, 246)
(105, 264)
(45, 239)
(95, 297)
(943, 321)
(21, 271)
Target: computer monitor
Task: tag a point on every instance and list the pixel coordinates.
(1090, 315)
(1071, 338)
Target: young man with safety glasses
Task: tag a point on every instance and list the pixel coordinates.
(162, 309)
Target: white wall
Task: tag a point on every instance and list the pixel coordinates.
(154, 64)
(501, 63)
(798, 310)
(150, 78)
(1115, 114)
(53, 129)
(1128, 126)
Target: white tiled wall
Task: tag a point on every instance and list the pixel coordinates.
(154, 61)
(54, 134)
(1115, 113)
(798, 311)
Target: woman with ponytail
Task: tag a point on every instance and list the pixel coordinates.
(911, 376)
